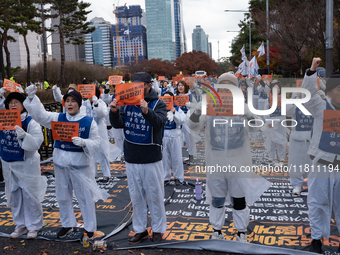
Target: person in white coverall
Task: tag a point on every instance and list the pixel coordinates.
(263, 91)
(275, 132)
(25, 187)
(228, 145)
(72, 161)
(97, 109)
(143, 156)
(324, 181)
(58, 97)
(172, 144)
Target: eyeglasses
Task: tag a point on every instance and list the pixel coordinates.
(14, 102)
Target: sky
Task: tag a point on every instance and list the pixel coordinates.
(207, 13)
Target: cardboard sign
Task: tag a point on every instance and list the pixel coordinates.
(64, 131)
(220, 110)
(115, 79)
(10, 85)
(169, 101)
(87, 90)
(129, 93)
(190, 80)
(267, 77)
(161, 78)
(9, 119)
(331, 121)
(181, 100)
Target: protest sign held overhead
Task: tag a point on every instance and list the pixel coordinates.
(129, 93)
(190, 80)
(216, 109)
(115, 79)
(87, 90)
(169, 101)
(9, 119)
(161, 78)
(267, 77)
(11, 86)
(64, 131)
(181, 100)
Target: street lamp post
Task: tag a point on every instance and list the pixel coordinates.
(249, 27)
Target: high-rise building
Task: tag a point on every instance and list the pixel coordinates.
(99, 46)
(18, 50)
(72, 52)
(160, 23)
(180, 39)
(200, 40)
(131, 36)
(210, 50)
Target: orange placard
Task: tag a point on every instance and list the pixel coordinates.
(299, 83)
(11, 86)
(331, 121)
(9, 119)
(267, 77)
(168, 100)
(64, 131)
(161, 78)
(181, 100)
(101, 91)
(190, 80)
(271, 99)
(87, 90)
(129, 93)
(220, 110)
(63, 103)
(115, 79)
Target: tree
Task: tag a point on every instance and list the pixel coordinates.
(224, 66)
(72, 25)
(190, 62)
(27, 20)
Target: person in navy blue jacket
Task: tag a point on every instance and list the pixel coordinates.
(143, 131)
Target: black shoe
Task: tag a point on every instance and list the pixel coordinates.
(64, 232)
(138, 237)
(178, 182)
(166, 182)
(316, 246)
(105, 180)
(156, 237)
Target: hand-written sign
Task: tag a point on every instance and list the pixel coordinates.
(129, 93)
(169, 101)
(87, 90)
(11, 86)
(64, 131)
(115, 79)
(161, 78)
(267, 77)
(331, 121)
(221, 110)
(9, 119)
(181, 100)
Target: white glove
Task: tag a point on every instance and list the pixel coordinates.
(168, 86)
(259, 78)
(248, 82)
(198, 109)
(20, 132)
(247, 113)
(2, 91)
(31, 90)
(322, 94)
(170, 116)
(95, 100)
(107, 85)
(187, 104)
(267, 83)
(322, 83)
(78, 141)
(20, 89)
(195, 85)
(55, 87)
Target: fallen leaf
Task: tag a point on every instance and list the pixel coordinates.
(141, 253)
(22, 244)
(177, 251)
(130, 251)
(160, 250)
(75, 252)
(22, 241)
(9, 248)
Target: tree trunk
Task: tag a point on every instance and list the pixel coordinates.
(62, 51)
(44, 39)
(28, 61)
(2, 68)
(8, 54)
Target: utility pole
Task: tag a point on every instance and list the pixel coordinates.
(329, 37)
(218, 47)
(267, 17)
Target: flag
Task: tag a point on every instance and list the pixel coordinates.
(253, 67)
(261, 50)
(126, 32)
(243, 68)
(243, 52)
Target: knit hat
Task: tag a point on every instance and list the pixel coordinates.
(228, 77)
(14, 95)
(76, 95)
(332, 82)
(141, 77)
(72, 86)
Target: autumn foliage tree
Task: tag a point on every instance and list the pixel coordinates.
(193, 61)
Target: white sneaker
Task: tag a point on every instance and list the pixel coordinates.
(270, 159)
(242, 238)
(18, 232)
(216, 235)
(32, 234)
(281, 159)
(297, 190)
